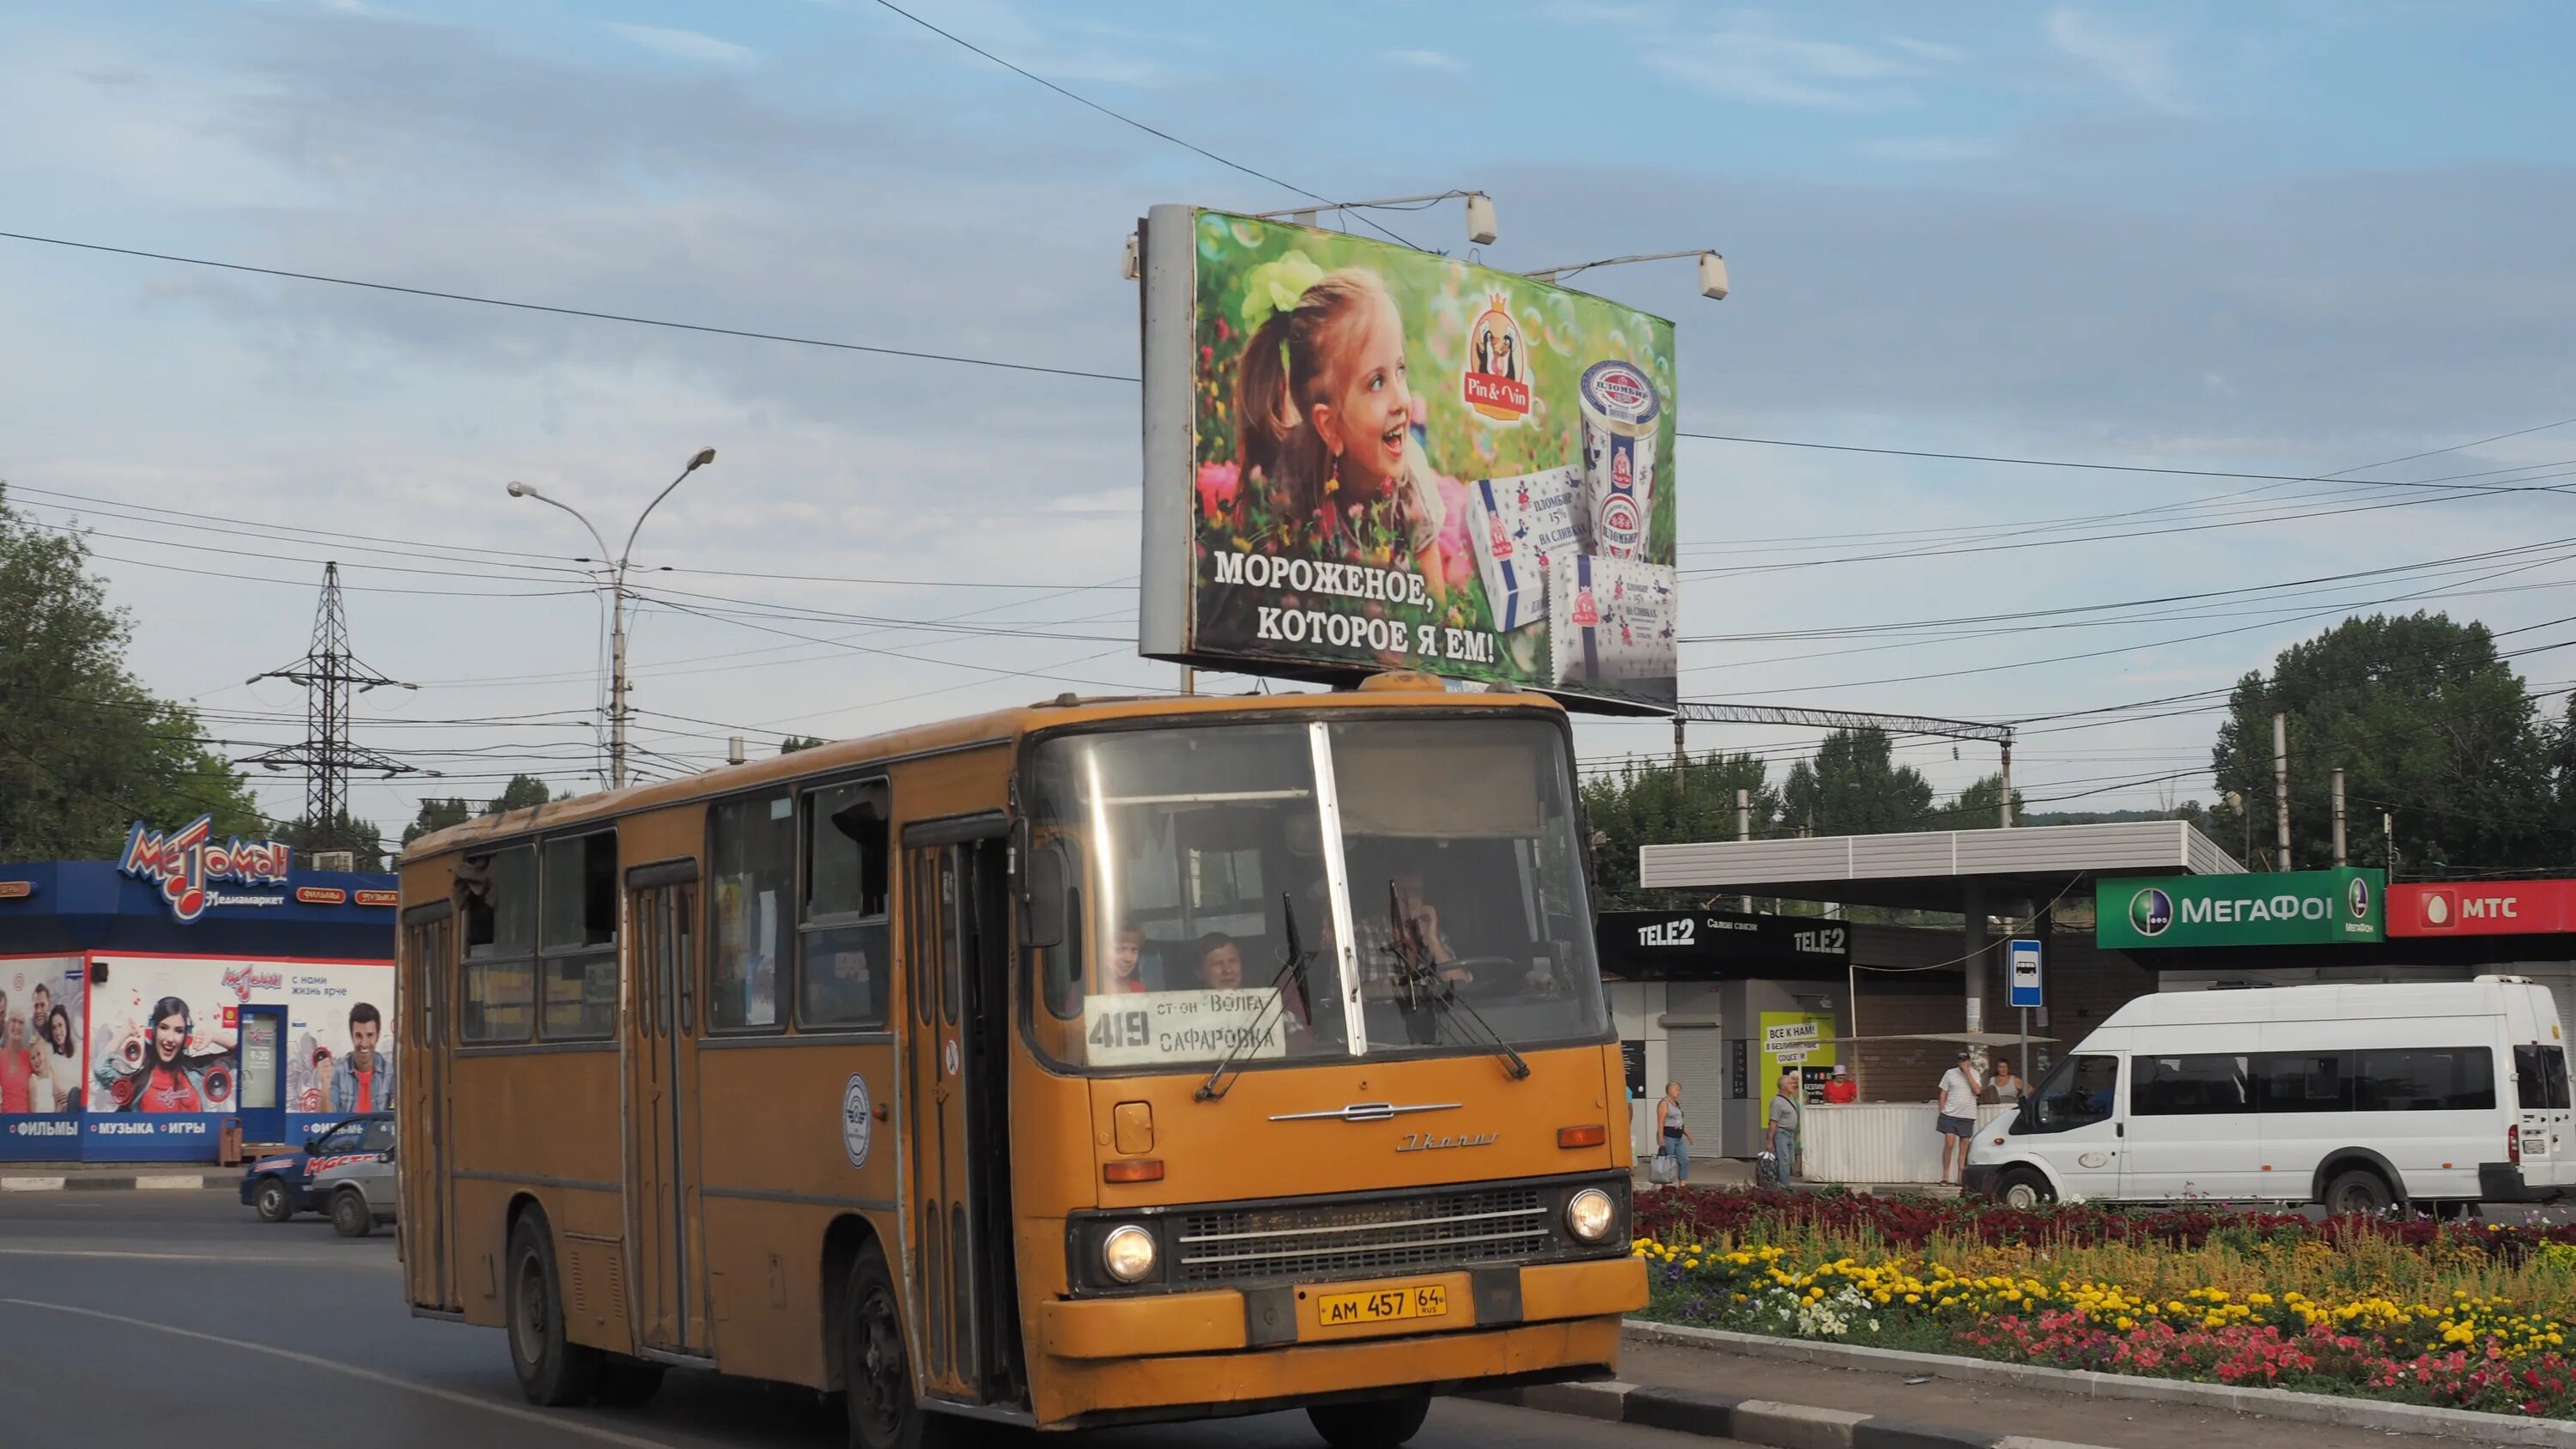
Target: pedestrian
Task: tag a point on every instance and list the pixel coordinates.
(1674, 1132)
(1956, 1103)
(2008, 1089)
(1783, 1131)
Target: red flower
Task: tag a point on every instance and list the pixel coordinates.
(1218, 484)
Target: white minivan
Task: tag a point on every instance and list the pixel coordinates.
(2357, 1097)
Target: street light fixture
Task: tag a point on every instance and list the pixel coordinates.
(1712, 269)
(617, 603)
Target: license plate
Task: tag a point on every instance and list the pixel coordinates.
(1386, 1305)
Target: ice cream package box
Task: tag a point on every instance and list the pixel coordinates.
(1611, 618)
(1521, 526)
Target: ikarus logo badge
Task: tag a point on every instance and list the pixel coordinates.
(2150, 912)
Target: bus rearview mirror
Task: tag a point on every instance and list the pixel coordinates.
(1042, 902)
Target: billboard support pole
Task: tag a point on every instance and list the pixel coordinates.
(2281, 787)
(1743, 823)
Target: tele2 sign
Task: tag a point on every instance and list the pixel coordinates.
(2311, 907)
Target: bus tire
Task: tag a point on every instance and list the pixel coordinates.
(878, 1373)
(272, 1202)
(1371, 1424)
(553, 1370)
(2022, 1188)
(2358, 1190)
(350, 1215)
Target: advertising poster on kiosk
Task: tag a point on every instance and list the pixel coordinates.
(164, 1050)
(1360, 456)
(42, 1058)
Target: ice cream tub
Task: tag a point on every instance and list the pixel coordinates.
(1520, 526)
(1611, 618)
(1620, 410)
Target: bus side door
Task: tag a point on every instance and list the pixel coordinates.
(667, 1253)
(956, 1048)
(425, 1215)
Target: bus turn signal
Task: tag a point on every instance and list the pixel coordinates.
(1148, 1169)
(1590, 1135)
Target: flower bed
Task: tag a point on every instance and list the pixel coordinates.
(2464, 1316)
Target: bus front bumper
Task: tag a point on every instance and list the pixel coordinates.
(1232, 1351)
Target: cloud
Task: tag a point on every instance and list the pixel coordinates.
(1928, 148)
(1774, 70)
(1424, 60)
(2139, 65)
(688, 45)
(1935, 51)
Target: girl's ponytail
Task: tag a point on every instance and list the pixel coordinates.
(1283, 363)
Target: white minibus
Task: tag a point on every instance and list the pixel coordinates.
(2359, 1097)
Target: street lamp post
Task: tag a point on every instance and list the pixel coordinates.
(617, 604)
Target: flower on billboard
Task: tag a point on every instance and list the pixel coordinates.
(1275, 287)
(1218, 484)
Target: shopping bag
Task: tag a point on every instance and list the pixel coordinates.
(1766, 1171)
(1664, 1169)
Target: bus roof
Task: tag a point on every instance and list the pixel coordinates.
(1382, 691)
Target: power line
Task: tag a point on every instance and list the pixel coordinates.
(1125, 120)
(629, 318)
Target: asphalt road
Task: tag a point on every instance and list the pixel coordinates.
(179, 1318)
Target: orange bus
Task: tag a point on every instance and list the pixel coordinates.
(1099, 1062)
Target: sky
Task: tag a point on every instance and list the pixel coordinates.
(2320, 244)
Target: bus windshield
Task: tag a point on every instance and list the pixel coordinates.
(1445, 853)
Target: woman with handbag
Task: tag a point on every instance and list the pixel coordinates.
(1675, 1135)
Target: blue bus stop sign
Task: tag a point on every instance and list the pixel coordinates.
(2025, 973)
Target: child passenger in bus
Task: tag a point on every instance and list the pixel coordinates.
(1126, 963)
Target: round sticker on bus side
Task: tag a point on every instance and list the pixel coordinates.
(855, 1120)
(948, 1056)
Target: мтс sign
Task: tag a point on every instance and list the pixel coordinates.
(2312, 907)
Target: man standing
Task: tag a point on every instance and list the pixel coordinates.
(364, 1080)
(1957, 1104)
(1783, 1130)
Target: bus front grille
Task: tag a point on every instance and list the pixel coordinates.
(1364, 1238)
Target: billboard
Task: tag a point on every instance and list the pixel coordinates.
(1359, 456)
(42, 1057)
(2281, 908)
(2482, 908)
(164, 1048)
(1716, 945)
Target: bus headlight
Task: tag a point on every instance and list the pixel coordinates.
(1127, 1254)
(1589, 1214)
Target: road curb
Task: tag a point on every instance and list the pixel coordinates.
(2264, 1403)
(152, 1182)
(1751, 1421)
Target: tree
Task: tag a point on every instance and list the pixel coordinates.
(437, 815)
(793, 743)
(2427, 724)
(1978, 807)
(85, 749)
(359, 837)
(1854, 787)
(1659, 805)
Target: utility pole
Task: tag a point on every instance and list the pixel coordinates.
(617, 710)
(2388, 832)
(2340, 860)
(1743, 819)
(329, 674)
(1681, 754)
(2007, 801)
(2281, 784)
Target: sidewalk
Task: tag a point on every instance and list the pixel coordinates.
(1726, 1172)
(1984, 1408)
(115, 1176)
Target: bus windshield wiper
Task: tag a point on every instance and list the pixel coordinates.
(1423, 982)
(1218, 1084)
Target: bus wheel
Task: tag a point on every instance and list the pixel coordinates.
(2358, 1190)
(878, 1372)
(271, 1201)
(552, 1370)
(1375, 1424)
(2023, 1188)
(350, 1215)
